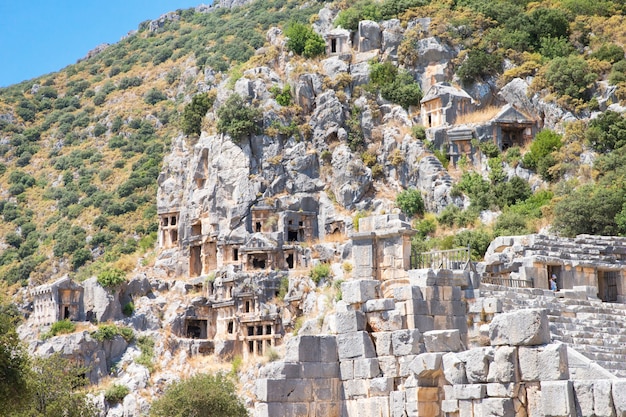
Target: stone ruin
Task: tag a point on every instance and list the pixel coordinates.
(60, 300)
(400, 344)
(586, 266)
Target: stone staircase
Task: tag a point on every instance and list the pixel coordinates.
(593, 328)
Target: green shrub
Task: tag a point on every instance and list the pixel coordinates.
(115, 393)
(607, 132)
(540, 157)
(128, 309)
(511, 223)
(111, 277)
(570, 76)
(478, 64)
(477, 240)
(146, 347)
(109, 331)
(590, 209)
(60, 327)
(410, 202)
(283, 97)
(195, 111)
(238, 119)
(199, 394)
(320, 272)
(304, 41)
(361, 10)
(609, 52)
(153, 96)
(80, 257)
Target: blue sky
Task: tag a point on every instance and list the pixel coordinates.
(42, 36)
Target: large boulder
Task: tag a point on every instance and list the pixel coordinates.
(101, 304)
(520, 328)
(369, 36)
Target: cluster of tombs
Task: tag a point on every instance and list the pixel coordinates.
(238, 303)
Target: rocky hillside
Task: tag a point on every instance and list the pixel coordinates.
(264, 131)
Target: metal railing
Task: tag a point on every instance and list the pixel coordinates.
(454, 259)
(507, 282)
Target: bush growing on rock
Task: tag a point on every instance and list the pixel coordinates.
(304, 41)
(115, 393)
(237, 119)
(410, 202)
(111, 277)
(320, 272)
(200, 395)
(59, 327)
(195, 111)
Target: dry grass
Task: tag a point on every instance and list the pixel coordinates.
(478, 116)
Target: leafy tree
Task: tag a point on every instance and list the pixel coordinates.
(510, 223)
(540, 155)
(56, 389)
(547, 23)
(153, 96)
(403, 91)
(590, 209)
(477, 240)
(202, 395)
(303, 40)
(195, 111)
(555, 47)
(410, 202)
(478, 64)
(237, 119)
(607, 132)
(361, 10)
(111, 277)
(14, 363)
(609, 52)
(570, 76)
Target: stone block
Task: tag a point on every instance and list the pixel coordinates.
(379, 304)
(422, 322)
(382, 342)
(404, 365)
(442, 341)
(520, 328)
(385, 321)
(328, 349)
(331, 409)
(451, 293)
(583, 398)
(504, 367)
(543, 363)
(427, 365)
(497, 407)
(350, 321)
(557, 399)
(466, 408)
(397, 404)
(355, 388)
(603, 399)
(492, 305)
(417, 307)
(427, 394)
(359, 291)
(406, 342)
(533, 399)
(283, 390)
(281, 370)
(366, 368)
(281, 409)
(504, 390)
(428, 409)
(407, 292)
(470, 391)
(320, 370)
(346, 369)
(450, 406)
(354, 345)
(380, 386)
(453, 369)
(431, 293)
(477, 362)
(328, 389)
(311, 349)
(618, 391)
(388, 366)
